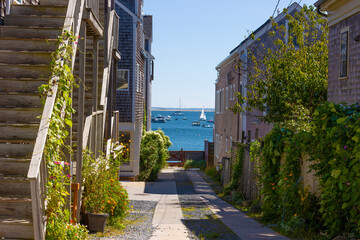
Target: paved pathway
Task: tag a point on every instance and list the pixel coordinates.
(168, 216)
(242, 225)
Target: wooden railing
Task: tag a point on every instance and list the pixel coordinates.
(37, 173)
(111, 43)
(94, 6)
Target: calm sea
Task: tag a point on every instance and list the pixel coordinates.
(182, 134)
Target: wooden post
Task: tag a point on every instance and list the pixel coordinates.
(81, 102)
(75, 187)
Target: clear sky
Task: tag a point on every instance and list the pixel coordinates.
(190, 37)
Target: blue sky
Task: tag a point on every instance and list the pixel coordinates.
(190, 37)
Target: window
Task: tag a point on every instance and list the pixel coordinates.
(344, 45)
(226, 145)
(229, 78)
(122, 79)
(227, 98)
(234, 91)
(147, 45)
(217, 102)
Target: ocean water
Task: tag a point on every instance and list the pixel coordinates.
(182, 134)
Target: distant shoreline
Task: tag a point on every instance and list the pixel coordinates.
(183, 110)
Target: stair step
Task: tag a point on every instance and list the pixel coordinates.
(16, 228)
(24, 71)
(54, 2)
(25, 57)
(16, 100)
(28, 115)
(14, 166)
(14, 185)
(19, 206)
(18, 132)
(38, 10)
(29, 32)
(21, 85)
(38, 21)
(16, 149)
(24, 44)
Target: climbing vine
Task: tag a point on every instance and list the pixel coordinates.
(57, 213)
(286, 200)
(237, 169)
(335, 154)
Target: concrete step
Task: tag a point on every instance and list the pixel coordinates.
(16, 149)
(24, 71)
(18, 132)
(14, 166)
(25, 57)
(38, 21)
(29, 32)
(20, 100)
(22, 85)
(24, 44)
(15, 206)
(16, 228)
(38, 10)
(14, 185)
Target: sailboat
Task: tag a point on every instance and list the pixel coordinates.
(202, 115)
(178, 113)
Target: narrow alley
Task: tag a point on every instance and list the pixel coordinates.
(185, 207)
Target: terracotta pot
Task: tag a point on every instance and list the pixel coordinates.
(97, 221)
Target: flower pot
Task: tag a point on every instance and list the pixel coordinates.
(97, 221)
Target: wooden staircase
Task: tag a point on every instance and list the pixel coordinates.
(26, 42)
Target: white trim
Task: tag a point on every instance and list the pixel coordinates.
(123, 7)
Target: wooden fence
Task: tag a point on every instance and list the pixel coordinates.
(178, 158)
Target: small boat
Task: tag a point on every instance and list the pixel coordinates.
(202, 115)
(168, 118)
(207, 126)
(158, 119)
(195, 123)
(211, 120)
(177, 113)
(176, 118)
(184, 118)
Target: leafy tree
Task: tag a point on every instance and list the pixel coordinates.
(288, 77)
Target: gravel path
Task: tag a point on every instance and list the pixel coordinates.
(141, 222)
(198, 218)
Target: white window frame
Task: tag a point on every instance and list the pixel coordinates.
(137, 73)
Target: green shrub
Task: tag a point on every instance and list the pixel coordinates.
(153, 154)
(103, 193)
(195, 164)
(213, 174)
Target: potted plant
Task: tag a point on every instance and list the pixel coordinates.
(94, 195)
(103, 194)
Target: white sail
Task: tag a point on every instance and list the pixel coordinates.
(202, 115)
